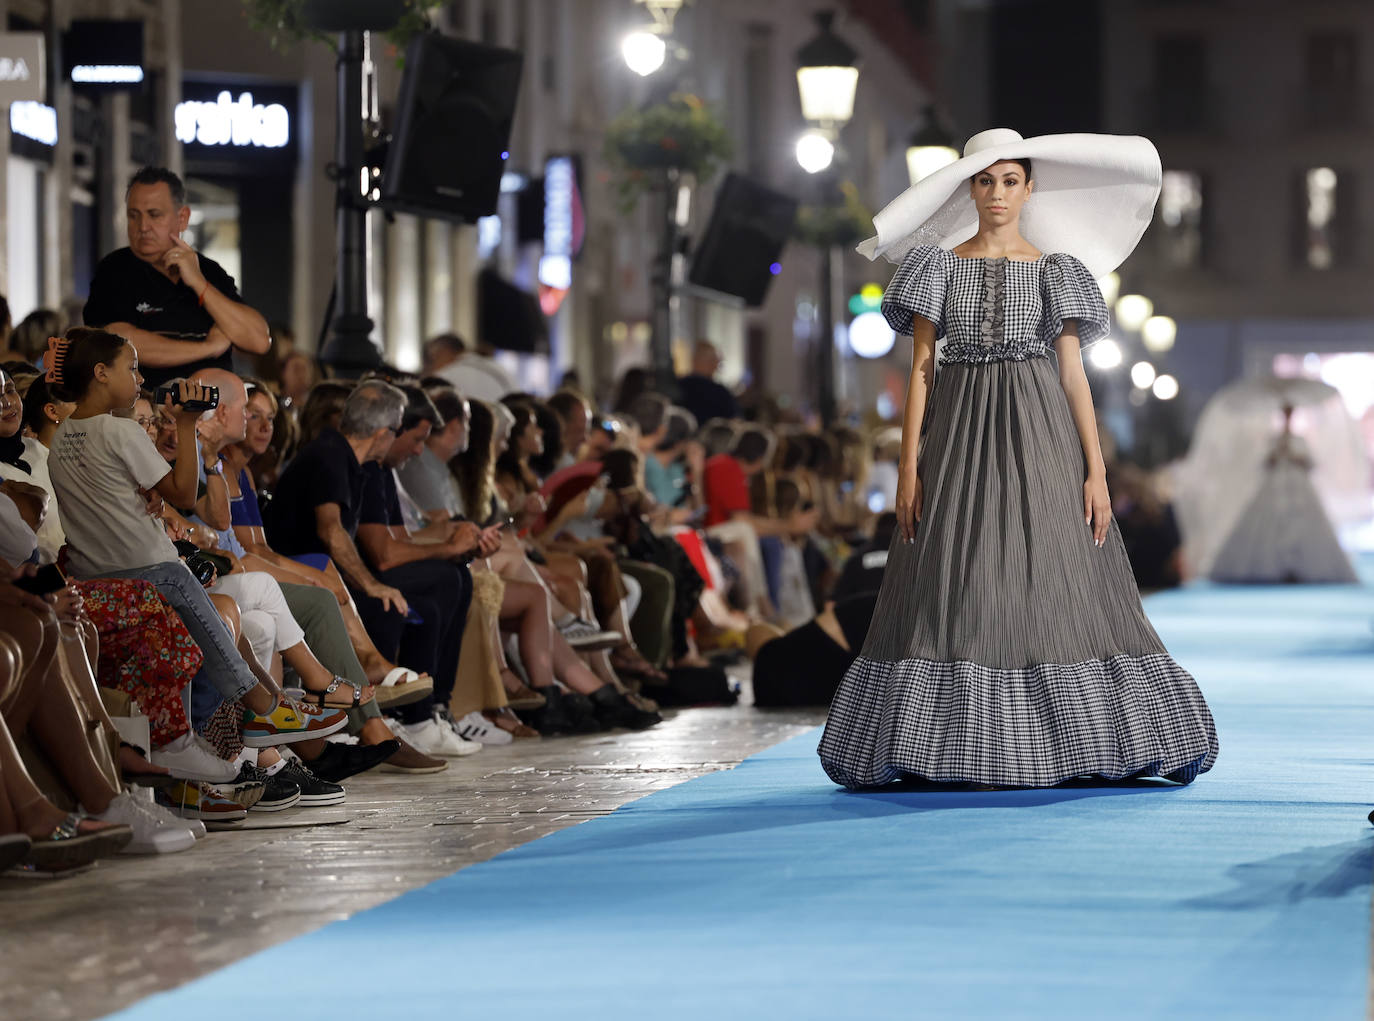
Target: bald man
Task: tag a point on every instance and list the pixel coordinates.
(701, 394)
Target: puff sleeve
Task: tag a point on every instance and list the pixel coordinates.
(1070, 292)
(917, 289)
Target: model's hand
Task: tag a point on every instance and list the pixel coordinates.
(909, 499)
(181, 263)
(1097, 508)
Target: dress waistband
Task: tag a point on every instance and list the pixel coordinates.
(981, 354)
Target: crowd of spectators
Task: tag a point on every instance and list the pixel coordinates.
(235, 594)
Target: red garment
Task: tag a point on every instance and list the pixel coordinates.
(145, 650)
(727, 490)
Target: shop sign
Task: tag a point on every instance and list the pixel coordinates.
(21, 67)
(34, 121)
(563, 222)
(105, 55)
(235, 122)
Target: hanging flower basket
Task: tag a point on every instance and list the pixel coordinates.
(679, 134)
(291, 21)
(845, 222)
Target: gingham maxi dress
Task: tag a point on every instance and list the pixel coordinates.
(1007, 648)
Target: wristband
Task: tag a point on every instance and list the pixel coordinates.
(200, 298)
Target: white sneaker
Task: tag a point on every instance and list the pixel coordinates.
(169, 818)
(476, 727)
(584, 636)
(435, 738)
(151, 834)
(190, 757)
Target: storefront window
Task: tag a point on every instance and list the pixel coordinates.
(214, 228)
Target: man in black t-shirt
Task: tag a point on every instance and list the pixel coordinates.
(701, 394)
(180, 310)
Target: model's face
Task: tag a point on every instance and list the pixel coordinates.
(11, 407)
(121, 378)
(153, 220)
(258, 434)
(999, 192)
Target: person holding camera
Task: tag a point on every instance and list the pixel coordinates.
(179, 309)
(104, 470)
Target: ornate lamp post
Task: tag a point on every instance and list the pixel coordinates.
(930, 148)
(827, 78)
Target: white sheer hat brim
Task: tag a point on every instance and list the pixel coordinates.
(1094, 196)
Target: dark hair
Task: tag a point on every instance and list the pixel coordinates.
(622, 467)
(1024, 162)
(419, 408)
(547, 419)
(471, 469)
(752, 444)
(650, 411)
(159, 175)
(30, 337)
(450, 342)
(508, 461)
(786, 497)
(791, 454)
(6, 322)
(632, 384)
(682, 424)
(38, 396)
(83, 350)
(447, 401)
(323, 407)
(567, 403)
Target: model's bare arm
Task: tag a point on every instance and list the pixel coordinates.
(909, 493)
(1097, 504)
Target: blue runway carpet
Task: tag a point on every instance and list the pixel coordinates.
(765, 892)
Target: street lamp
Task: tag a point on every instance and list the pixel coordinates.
(827, 78)
(1132, 310)
(1158, 333)
(930, 148)
(645, 49)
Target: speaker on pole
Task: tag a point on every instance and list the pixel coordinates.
(738, 255)
(454, 114)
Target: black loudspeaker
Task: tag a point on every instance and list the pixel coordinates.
(747, 230)
(351, 15)
(508, 317)
(453, 121)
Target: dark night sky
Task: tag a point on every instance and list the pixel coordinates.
(1047, 66)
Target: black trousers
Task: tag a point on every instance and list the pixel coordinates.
(439, 592)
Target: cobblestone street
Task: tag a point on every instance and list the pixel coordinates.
(83, 947)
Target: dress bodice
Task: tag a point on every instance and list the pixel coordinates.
(997, 309)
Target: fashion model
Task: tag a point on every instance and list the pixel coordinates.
(1284, 535)
(1009, 646)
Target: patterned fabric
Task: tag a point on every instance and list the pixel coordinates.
(1006, 647)
(145, 651)
(994, 309)
(1115, 718)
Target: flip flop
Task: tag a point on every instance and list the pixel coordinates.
(401, 686)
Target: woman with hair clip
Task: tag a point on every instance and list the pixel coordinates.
(1009, 646)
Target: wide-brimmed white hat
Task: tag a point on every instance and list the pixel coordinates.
(1094, 196)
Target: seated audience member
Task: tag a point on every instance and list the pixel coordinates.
(863, 569)
(322, 409)
(575, 423)
(634, 383)
(43, 412)
(25, 460)
(671, 467)
(105, 472)
(473, 373)
(317, 510)
(804, 667)
(426, 477)
(30, 337)
(434, 577)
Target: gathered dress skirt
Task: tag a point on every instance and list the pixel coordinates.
(1006, 647)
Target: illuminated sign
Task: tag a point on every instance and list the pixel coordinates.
(564, 226)
(236, 122)
(34, 121)
(107, 74)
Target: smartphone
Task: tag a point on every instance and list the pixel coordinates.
(46, 580)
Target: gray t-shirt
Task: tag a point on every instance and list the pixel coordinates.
(430, 483)
(98, 465)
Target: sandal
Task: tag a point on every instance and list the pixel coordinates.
(68, 847)
(633, 664)
(510, 723)
(401, 686)
(521, 695)
(320, 698)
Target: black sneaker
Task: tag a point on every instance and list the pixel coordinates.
(340, 761)
(314, 791)
(582, 713)
(278, 792)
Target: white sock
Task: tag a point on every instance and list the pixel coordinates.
(276, 767)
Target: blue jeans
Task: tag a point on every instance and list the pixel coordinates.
(224, 675)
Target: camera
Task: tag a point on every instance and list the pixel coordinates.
(171, 389)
